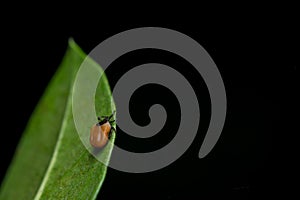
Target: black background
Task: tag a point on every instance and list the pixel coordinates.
(258, 60)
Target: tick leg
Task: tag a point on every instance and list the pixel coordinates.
(111, 115)
(113, 129)
(107, 117)
(104, 117)
(110, 132)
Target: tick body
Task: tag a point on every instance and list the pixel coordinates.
(100, 132)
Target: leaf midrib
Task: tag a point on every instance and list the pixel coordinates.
(55, 152)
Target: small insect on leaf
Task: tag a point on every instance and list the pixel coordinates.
(101, 131)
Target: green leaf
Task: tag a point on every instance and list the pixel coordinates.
(50, 161)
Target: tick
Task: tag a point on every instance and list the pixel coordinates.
(101, 131)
